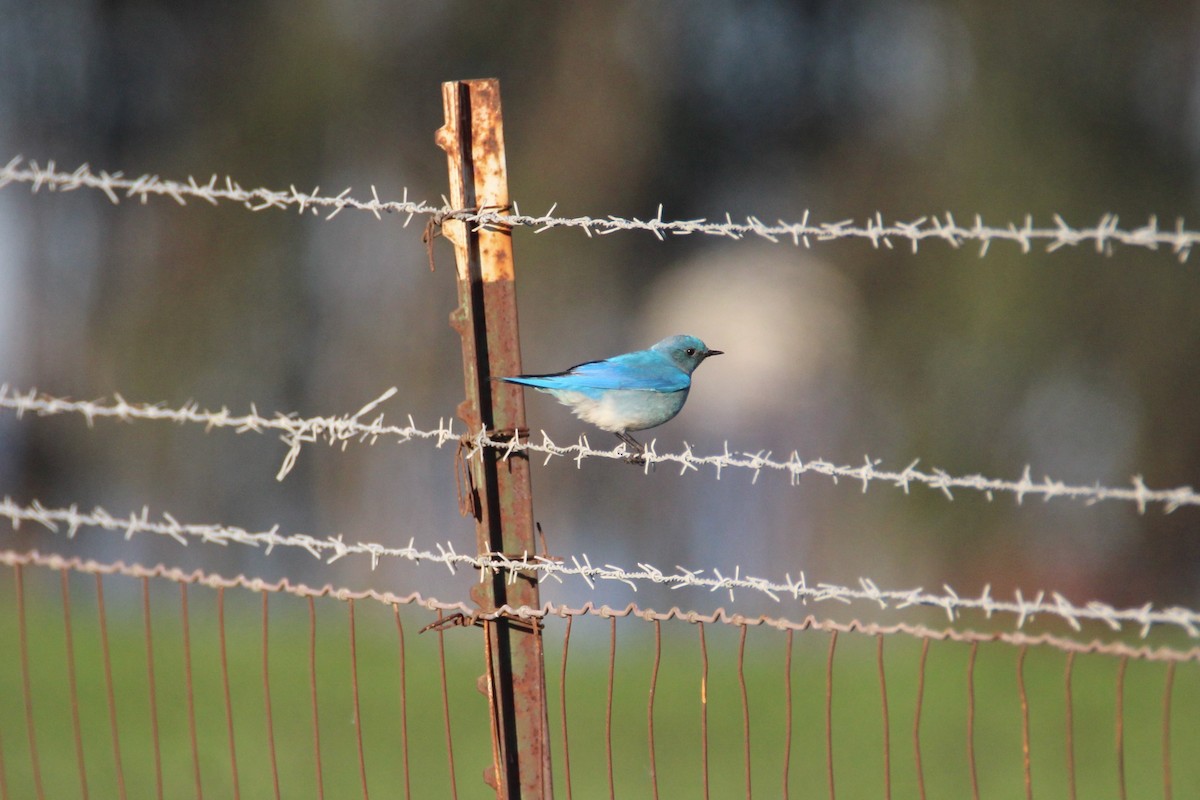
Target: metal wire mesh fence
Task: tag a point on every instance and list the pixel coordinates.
(129, 681)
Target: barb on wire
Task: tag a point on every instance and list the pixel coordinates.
(1103, 235)
(546, 610)
(296, 432)
(334, 548)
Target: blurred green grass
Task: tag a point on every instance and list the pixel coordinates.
(857, 718)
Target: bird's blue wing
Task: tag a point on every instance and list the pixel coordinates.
(644, 370)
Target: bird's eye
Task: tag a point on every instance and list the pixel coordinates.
(691, 351)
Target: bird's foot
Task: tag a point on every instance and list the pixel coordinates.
(635, 452)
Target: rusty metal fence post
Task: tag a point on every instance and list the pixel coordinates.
(497, 491)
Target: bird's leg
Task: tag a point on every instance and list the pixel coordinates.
(638, 456)
(629, 440)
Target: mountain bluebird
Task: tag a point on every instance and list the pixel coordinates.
(629, 392)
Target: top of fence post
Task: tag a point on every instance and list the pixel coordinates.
(498, 492)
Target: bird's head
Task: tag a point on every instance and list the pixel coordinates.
(686, 351)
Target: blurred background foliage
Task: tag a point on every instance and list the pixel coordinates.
(1081, 366)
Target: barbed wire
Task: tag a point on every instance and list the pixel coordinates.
(296, 432)
(1103, 235)
(334, 548)
(12, 558)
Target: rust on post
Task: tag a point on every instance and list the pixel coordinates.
(498, 492)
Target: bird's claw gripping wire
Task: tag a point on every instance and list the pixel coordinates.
(638, 454)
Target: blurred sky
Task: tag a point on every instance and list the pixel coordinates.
(1081, 366)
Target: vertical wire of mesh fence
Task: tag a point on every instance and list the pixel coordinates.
(704, 707)
(358, 734)
(650, 706)
(227, 695)
(191, 693)
(1069, 713)
(741, 673)
(403, 674)
(1120, 727)
(1168, 689)
(833, 637)
(26, 682)
(916, 735)
(441, 640)
(151, 687)
(110, 693)
(312, 683)
(887, 733)
(608, 708)
(630, 715)
(3, 773)
(1026, 756)
(787, 704)
(562, 700)
(543, 722)
(268, 715)
(72, 681)
(971, 721)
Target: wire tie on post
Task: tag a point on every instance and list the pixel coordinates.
(460, 619)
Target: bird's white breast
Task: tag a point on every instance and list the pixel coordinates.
(623, 409)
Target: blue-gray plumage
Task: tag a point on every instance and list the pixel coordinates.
(629, 392)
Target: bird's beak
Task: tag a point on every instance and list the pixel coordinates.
(714, 353)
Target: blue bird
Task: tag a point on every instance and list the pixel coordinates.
(629, 392)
